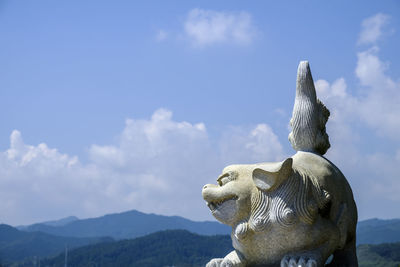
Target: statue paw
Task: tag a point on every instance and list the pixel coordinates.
(226, 263)
(220, 262)
(215, 262)
(289, 261)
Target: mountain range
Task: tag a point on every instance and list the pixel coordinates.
(129, 224)
(376, 231)
(50, 238)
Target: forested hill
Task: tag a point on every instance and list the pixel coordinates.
(382, 255)
(181, 248)
(166, 248)
(17, 245)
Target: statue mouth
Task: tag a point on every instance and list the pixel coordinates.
(216, 204)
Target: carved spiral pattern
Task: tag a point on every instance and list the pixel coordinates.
(299, 197)
(259, 219)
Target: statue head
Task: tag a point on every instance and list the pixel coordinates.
(264, 194)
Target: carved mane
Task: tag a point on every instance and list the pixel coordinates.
(299, 197)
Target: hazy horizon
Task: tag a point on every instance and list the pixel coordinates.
(84, 218)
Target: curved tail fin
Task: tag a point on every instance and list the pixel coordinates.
(309, 115)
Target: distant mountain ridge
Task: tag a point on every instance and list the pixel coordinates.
(376, 231)
(60, 222)
(129, 224)
(132, 224)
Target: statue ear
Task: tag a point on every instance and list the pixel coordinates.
(270, 175)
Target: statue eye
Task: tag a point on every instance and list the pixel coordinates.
(224, 180)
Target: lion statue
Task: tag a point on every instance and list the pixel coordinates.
(298, 212)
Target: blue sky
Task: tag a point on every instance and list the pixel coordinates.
(115, 105)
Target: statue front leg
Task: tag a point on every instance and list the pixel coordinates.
(215, 262)
(233, 259)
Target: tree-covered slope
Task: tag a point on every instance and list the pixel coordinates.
(17, 245)
(166, 248)
(382, 255)
(182, 248)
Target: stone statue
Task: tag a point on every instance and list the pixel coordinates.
(298, 212)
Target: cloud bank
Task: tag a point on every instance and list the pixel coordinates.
(374, 109)
(158, 165)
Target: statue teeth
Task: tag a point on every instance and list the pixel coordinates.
(211, 206)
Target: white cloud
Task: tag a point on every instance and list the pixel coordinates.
(371, 172)
(379, 106)
(156, 165)
(372, 28)
(259, 144)
(343, 109)
(46, 158)
(207, 27)
(378, 103)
